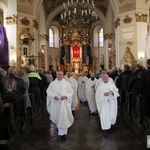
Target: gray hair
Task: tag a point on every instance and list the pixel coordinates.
(2, 72)
(12, 70)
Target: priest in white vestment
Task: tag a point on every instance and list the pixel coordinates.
(81, 87)
(59, 96)
(99, 81)
(90, 93)
(106, 101)
(74, 85)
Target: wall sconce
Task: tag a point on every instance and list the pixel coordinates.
(13, 62)
(109, 47)
(141, 61)
(11, 46)
(42, 51)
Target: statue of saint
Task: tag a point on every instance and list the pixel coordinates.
(57, 61)
(64, 59)
(87, 60)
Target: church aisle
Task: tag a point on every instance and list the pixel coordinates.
(85, 134)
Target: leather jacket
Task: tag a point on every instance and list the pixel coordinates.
(11, 88)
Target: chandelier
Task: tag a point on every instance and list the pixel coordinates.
(77, 17)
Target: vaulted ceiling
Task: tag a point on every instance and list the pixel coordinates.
(51, 5)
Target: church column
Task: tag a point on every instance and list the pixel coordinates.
(147, 53)
(108, 48)
(36, 45)
(141, 23)
(117, 33)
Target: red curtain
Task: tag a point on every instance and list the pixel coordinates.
(76, 51)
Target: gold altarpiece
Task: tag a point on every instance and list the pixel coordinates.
(78, 62)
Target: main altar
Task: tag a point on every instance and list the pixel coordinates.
(76, 54)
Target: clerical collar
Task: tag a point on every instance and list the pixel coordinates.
(59, 80)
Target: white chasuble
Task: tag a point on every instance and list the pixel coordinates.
(60, 110)
(90, 94)
(74, 85)
(81, 88)
(107, 105)
(99, 81)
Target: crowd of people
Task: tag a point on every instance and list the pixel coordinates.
(63, 93)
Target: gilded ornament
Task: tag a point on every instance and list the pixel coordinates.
(141, 18)
(127, 19)
(117, 23)
(44, 37)
(35, 24)
(25, 21)
(107, 36)
(11, 20)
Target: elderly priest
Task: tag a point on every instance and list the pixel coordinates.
(106, 101)
(59, 96)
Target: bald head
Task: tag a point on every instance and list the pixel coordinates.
(105, 78)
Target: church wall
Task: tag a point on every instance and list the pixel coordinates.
(53, 53)
(25, 24)
(127, 37)
(132, 27)
(34, 24)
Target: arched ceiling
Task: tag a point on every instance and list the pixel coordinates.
(51, 5)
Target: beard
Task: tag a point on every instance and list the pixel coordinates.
(92, 78)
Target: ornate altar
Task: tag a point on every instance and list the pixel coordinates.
(75, 51)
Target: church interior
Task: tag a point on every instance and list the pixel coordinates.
(75, 35)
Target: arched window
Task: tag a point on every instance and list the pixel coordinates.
(101, 38)
(51, 38)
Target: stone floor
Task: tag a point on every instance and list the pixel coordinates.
(84, 134)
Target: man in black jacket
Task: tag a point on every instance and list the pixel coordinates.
(12, 89)
(138, 83)
(123, 80)
(145, 104)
